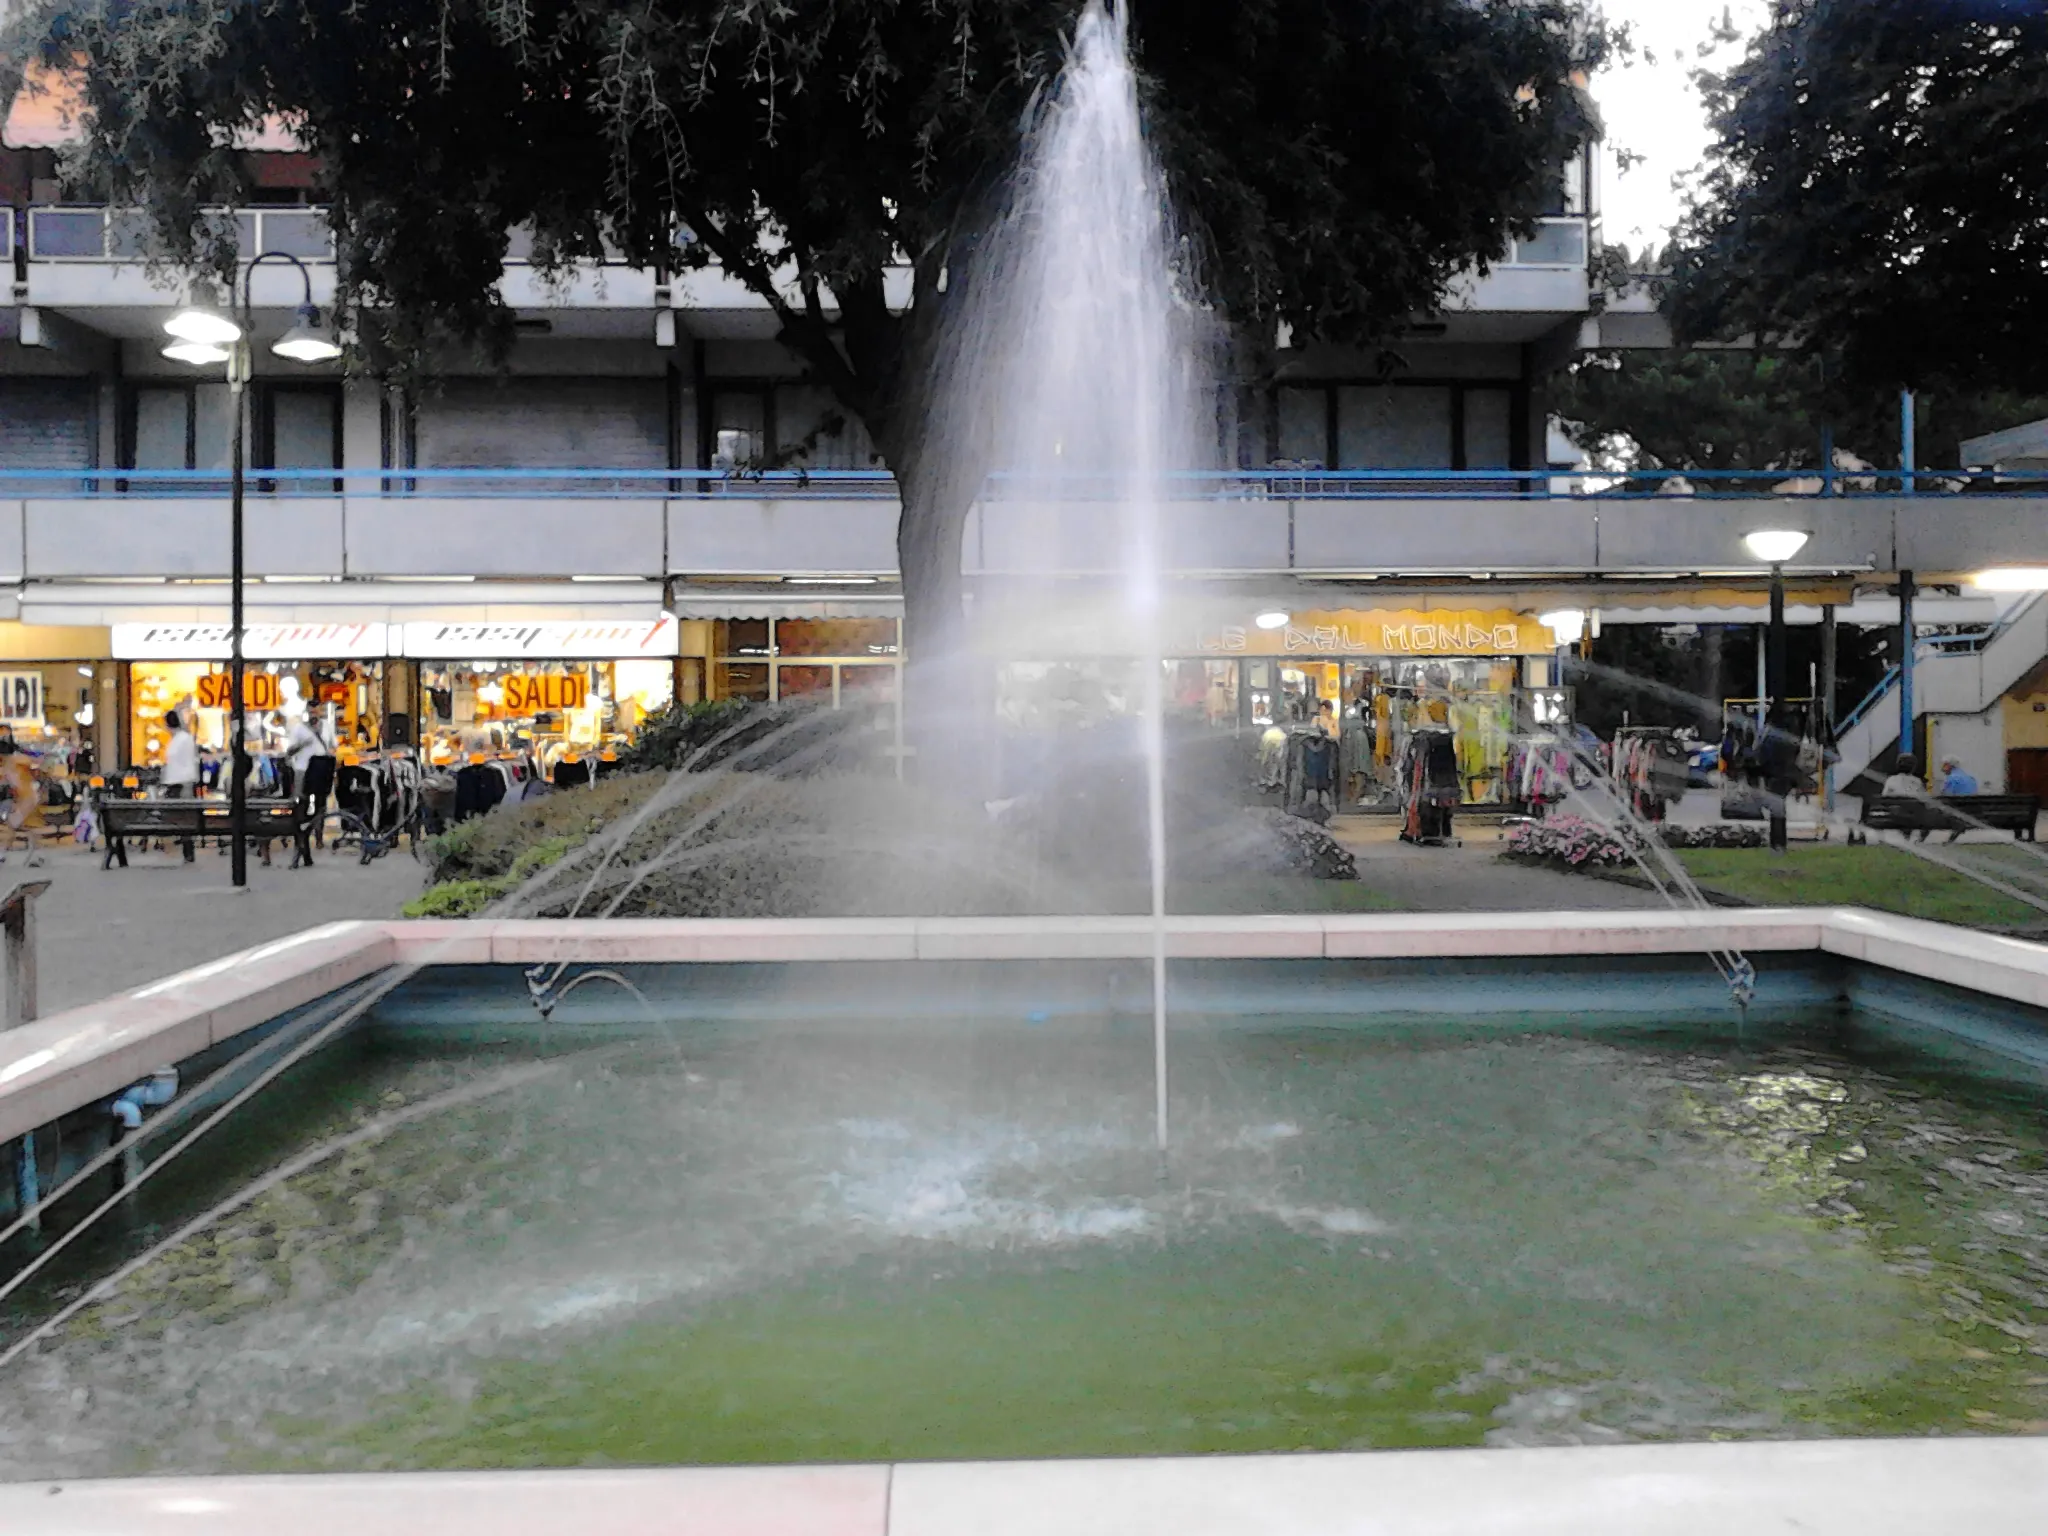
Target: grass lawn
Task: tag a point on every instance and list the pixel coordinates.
(1887, 878)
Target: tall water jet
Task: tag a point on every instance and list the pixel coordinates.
(1073, 372)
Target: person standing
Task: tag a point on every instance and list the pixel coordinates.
(181, 768)
(311, 765)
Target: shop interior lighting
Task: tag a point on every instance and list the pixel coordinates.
(2012, 578)
(1774, 546)
(1274, 620)
(202, 327)
(1567, 625)
(831, 581)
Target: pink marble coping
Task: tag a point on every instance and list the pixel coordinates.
(56, 1064)
(1991, 963)
(723, 1501)
(72, 1058)
(1985, 1487)
(1981, 1487)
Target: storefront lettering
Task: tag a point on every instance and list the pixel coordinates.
(545, 695)
(21, 696)
(1383, 632)
(595, 641)
(260, 690)
(1434, 639)
(260, 642)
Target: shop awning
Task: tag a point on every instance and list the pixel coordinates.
(379, 602)
(710, 606)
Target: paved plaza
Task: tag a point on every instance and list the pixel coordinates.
(99, 931)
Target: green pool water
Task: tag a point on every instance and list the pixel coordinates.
(928, 1244)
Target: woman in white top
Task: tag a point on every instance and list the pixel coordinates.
(181, 768)
(1905, 779)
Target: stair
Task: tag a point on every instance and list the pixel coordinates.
(1947, 680)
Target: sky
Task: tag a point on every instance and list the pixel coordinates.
(1651, 109)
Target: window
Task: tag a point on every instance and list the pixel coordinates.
(1394, 427)
(180, 427)
(1398, 426)
(813, 431)
(1304, 428)
(298, 426)
(1489, 429)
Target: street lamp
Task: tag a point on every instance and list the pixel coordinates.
(1774, 546)
(202, 338)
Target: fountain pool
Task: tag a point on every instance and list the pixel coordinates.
(773, 1216)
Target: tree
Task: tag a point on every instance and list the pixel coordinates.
(1876, 193)
(1744, 409)
(1341, 160)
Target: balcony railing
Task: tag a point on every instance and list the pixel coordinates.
(1283, 484)
(124, 234)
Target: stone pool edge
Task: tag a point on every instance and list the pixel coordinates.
(70, 1059)
(1988, 1487)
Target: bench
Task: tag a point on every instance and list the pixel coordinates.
(269, 821)
(1953, 814)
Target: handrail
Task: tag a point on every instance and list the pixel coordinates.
(1976, 641)
(1268, 484)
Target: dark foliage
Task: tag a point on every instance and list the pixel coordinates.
(1877, 192)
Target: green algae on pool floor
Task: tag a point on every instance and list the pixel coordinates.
(832, 1248)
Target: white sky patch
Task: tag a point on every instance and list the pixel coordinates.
(1652, 108)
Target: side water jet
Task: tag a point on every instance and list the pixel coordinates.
(1073, 368)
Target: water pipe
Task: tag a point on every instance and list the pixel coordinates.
(28, 1192)
(153, 1092)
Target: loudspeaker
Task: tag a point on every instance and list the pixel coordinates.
(398, 731)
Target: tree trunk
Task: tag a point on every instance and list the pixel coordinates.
(942, 681)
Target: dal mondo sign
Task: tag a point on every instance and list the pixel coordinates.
(1388, 632)
(545, 695)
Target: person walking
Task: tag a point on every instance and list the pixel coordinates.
(181, 768)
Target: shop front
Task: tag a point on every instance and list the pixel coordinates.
(57, 695)
(1375, 676)
(549, 689)
(843, 661)
(336, 675)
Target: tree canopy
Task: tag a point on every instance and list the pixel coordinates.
(1743, 409)
(1876, 192)
(1338, 162)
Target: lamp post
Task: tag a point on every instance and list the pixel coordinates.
(1775, 546)
(202, 338)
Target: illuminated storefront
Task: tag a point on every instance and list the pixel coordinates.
(548, 688)
(333, 674)
(1384, 674)
(838, 661)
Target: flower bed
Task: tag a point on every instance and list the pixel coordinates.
(1574, 842)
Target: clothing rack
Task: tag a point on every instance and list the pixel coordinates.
(1430, 787)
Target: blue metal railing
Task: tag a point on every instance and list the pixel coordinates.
(1285, 484)
(1967, 643)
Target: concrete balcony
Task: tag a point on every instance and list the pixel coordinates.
(58, 526)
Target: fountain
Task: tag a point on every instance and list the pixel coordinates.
(870, 1190)
(1072, 365)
